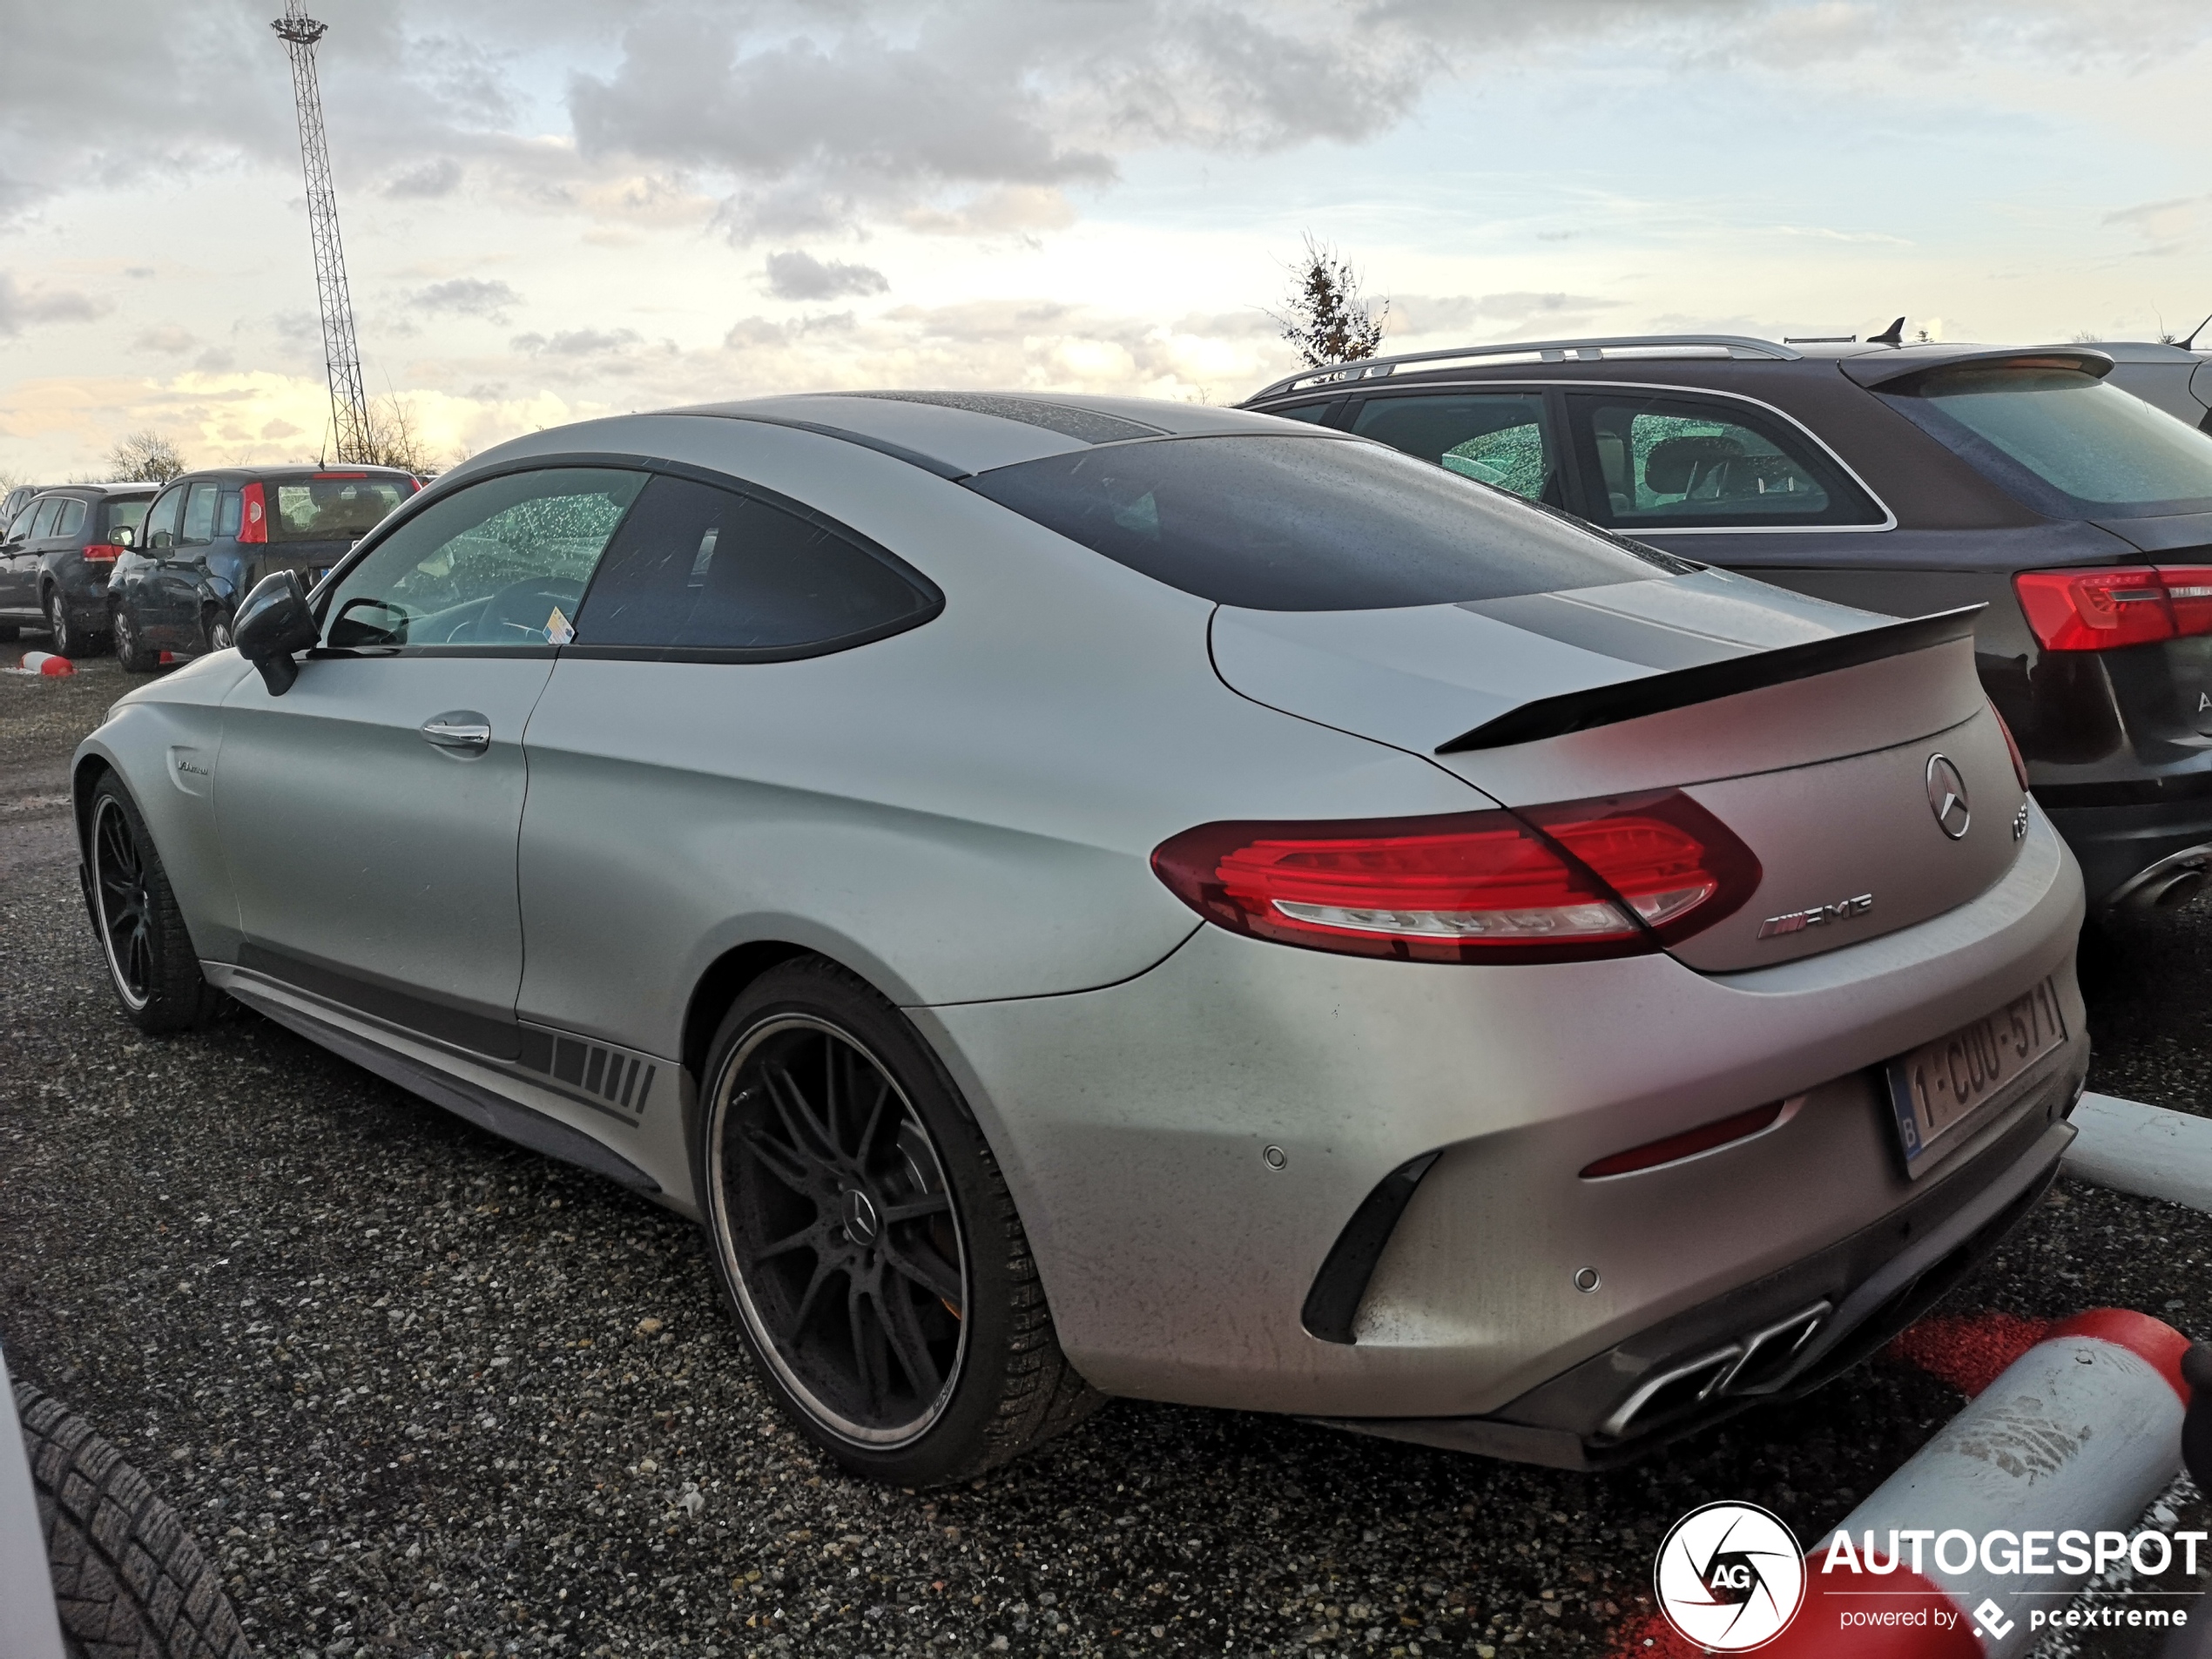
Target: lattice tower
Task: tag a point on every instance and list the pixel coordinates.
(340, 352)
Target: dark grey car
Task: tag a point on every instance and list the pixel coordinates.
(1900, 478)
(60, 550)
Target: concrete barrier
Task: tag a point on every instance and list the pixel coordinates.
(2076, 1436)
(2147, 1150)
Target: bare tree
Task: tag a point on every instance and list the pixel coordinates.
(1327, 319)
(146, 456)
(395, 440)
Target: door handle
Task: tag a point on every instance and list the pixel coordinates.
(458, 731)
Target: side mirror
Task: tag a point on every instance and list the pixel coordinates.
(272, 623)
(124, 535)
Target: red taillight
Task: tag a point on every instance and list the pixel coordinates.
(2106, 609)
(341, 475)
(253, 514)
(103, 553)
(1606, 878)
(1689, 1143)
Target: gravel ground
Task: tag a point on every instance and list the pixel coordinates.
(422, 1394)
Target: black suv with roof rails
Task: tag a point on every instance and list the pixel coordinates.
(56, 557)
(1899, 478)
(209, 535)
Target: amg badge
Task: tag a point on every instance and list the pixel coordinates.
(1820, 915)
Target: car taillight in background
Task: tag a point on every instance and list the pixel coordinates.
(253, 519)
(2105, 609)
(1562, 883)
(102, 553)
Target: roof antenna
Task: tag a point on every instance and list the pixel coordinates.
(2191, 343)
(1894, 335)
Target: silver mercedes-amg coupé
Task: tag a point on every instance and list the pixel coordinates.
(1088, 897)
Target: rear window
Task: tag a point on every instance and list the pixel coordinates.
(1293, 523)
(2065, 442)
(124, 515)
(331, 510)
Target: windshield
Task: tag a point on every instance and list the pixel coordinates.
(1299, 524)
(2066, 442)
(332, 509)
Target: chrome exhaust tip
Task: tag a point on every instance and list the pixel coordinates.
(2171, 882)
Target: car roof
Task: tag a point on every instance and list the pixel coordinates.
(957, 433)
(291, 471)
(2096, 356)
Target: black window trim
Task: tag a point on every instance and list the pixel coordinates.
(1573, 457)
(932, 596)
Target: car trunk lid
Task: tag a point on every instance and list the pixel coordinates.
(1811, 729)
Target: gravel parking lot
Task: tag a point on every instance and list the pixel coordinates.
(421, 1393)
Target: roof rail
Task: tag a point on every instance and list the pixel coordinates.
(1632, 346)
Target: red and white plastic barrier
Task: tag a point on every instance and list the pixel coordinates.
(2076, 1437)
(2147, 1150)
(45, 664)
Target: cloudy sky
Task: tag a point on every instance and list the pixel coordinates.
(557, 207)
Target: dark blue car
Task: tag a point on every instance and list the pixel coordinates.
(209, 535)
(57, 555)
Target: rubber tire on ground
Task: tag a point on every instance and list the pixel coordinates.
(130, 1582)
(128, 651)
(70, 642)
(181, 997)
(1016, 1389)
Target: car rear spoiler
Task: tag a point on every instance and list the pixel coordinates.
(1554, 717)
(1896, 370)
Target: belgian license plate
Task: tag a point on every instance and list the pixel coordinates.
(1939, 1085)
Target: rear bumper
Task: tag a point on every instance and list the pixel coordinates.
(1678, 1377)
(1187, 1147)
(2116, 844)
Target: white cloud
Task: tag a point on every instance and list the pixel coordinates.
(799, 275)
(467, 297)
(21, 308)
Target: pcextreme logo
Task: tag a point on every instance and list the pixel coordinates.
(1730, 1577)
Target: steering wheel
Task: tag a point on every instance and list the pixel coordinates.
(521, 612)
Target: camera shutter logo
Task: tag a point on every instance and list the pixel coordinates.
(1730, 1577)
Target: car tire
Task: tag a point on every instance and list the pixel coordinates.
(130, 650)
(817, 1090)
(140, 929)
(128, 1578)
(70, 640)
(218, 634)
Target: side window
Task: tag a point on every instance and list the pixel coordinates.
(1656, 461)
(502, 565)
(199, 516)
(697, 569)
(161, 521)
(1313, 414)
(72, 518)
(42, 521)
(226, 517)
(1496, 438)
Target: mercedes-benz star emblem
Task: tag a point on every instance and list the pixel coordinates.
(1947, 798)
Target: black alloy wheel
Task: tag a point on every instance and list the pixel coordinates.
(844, 1241)
(68, 641)
(134, 656)
(120, 903)
(149, 952)
(860, 1227)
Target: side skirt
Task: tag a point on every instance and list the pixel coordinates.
(487, 1109)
